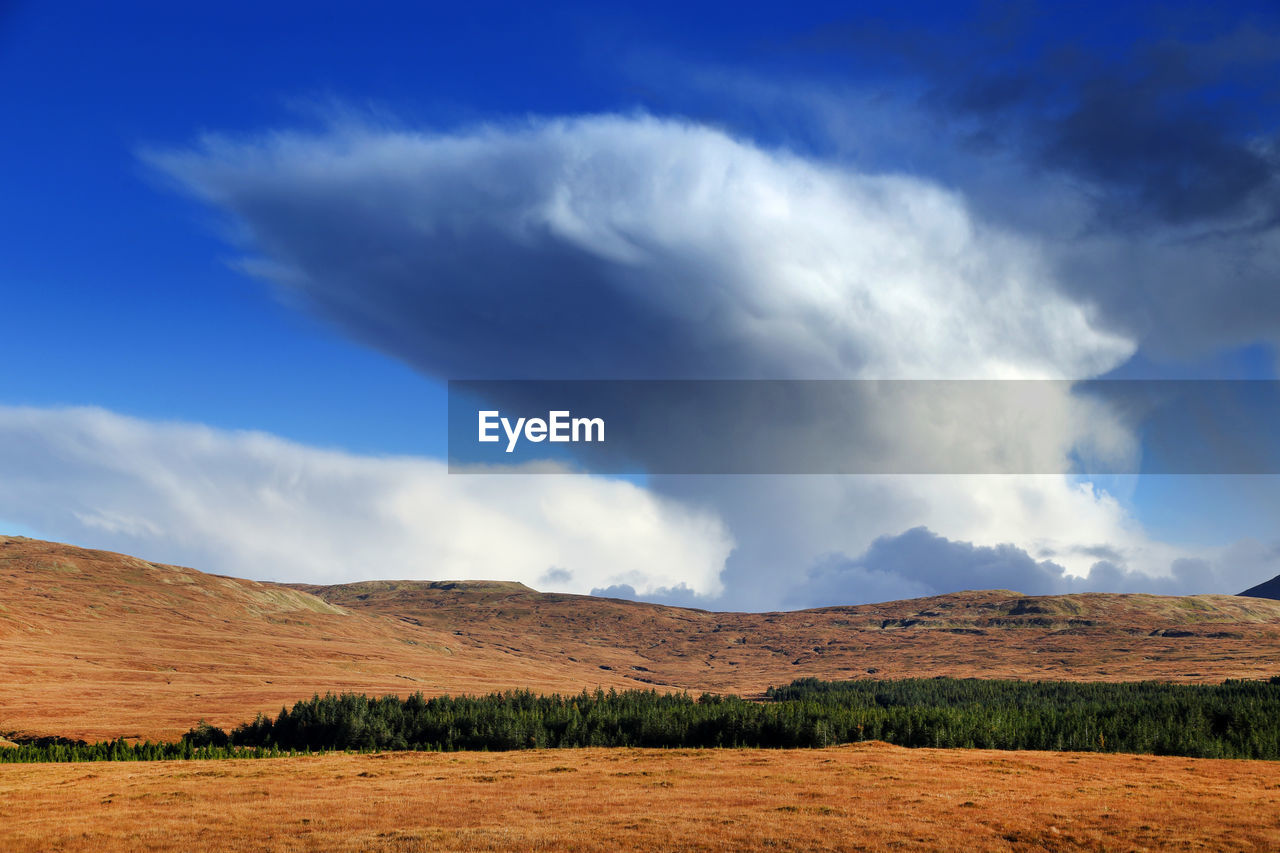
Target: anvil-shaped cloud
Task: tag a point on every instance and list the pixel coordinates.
(633, 247)
(608, 247)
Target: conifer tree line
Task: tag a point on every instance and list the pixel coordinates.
(58, 749)
(1236, 719)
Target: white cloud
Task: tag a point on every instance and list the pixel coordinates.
(254, 505)
(784, 526)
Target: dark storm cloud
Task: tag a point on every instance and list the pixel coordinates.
(920, 562)
(1167, 132)
(1174, 125)
(1141, 140)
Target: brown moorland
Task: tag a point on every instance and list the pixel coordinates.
(96, 645)
(988, 634)
(866, 796)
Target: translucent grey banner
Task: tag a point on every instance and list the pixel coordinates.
(1098, 427)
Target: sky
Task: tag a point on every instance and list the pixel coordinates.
(245, 246)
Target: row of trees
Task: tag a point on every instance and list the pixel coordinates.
(1236, 719)
(62, 749)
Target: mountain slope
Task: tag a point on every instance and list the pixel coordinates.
(1266, 589)
(95, 644)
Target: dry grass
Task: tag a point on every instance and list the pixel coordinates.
(858, 797)
(97, 645)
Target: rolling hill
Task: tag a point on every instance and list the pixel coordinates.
(95, 644)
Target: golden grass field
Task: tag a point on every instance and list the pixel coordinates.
(868, 796)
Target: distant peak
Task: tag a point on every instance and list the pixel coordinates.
(1266, 589)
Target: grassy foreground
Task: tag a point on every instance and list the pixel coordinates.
(863, 796)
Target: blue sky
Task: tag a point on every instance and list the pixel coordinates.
(1130, 148)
